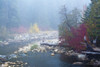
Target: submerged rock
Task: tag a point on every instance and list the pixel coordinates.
(52, 54)
(12, 56)
(78, 63)
(2, 58)
(22, 54)
(26, 63)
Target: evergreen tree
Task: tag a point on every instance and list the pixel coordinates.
(8, 13)
(92, 19)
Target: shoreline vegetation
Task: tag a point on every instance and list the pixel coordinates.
(81, 32)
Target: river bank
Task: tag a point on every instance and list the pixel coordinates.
(30, 53)
(26, 55)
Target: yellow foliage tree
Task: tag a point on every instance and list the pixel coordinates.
(31, 29)
(34, 28)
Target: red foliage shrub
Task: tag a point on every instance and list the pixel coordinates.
(20, 29)
(77, 37)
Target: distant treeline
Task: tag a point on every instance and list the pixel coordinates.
(16, 13)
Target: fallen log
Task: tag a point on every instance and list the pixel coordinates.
(92, 54)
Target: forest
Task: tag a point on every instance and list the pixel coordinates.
(75, 27)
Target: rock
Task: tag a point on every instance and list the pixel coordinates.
(15, 52)
(78, 63)
(22, 54)
(32, 50)
(42, 49)
(5, 65)
(66, 53)
(25, 51)
(81, 56)
(6, 43)
(38, 50)
(3, 59)
(50, 48)
(2, 56)
(52, 54)
(26, 63)
(56, 50)
(59, 52)
(71, 51)
(92, 61)
(97, 63)
(13, 64)
(12, 56)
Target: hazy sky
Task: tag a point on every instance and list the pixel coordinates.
(69, 3)
(46, 11)
(77, 3)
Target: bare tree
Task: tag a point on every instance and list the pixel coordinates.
(70, 18)
(64, 17)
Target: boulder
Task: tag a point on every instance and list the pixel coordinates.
(56, 50)
(81, 56)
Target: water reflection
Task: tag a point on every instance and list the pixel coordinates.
(68, 61)
(45, 60)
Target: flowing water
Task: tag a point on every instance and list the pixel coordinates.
(44, 60)
(38, 59)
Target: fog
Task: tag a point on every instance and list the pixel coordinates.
(64, 32)
(45, 12)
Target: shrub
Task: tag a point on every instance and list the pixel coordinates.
(34, 46)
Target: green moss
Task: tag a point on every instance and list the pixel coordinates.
(34, 46)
